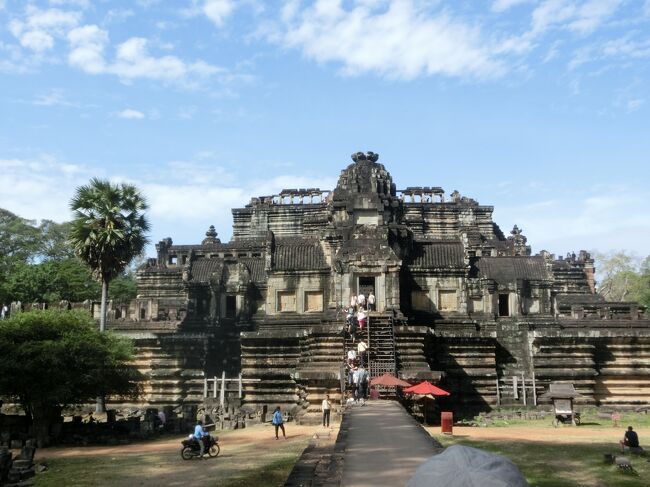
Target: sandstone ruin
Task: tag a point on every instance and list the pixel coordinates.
(457, 301)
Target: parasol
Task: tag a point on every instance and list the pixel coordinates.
(388, 380)
(426, 387)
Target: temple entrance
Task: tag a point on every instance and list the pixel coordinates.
(504, 305)
(366, 285)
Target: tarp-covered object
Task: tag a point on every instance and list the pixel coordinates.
(462, 466)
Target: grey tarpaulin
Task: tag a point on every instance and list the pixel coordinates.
(462, 466)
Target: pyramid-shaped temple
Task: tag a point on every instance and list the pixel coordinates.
(456, 301)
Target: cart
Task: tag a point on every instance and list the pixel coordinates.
(562, 395)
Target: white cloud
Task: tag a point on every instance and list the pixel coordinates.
(396, 39)
(132, 59)
(218, 10)
(592, 14)
(76, 3)
(582, 17)
(87, 46)
(38, 29)
(599, 219)
(39, 187)
(52, 97)
(503, 5)
(131, 114)
(635, 104)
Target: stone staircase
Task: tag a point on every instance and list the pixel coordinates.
(380, 337)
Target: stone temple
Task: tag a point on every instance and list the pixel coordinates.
(458, 302)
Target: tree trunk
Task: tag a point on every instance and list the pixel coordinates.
(41, 421)
(102, 317)
(100, 407)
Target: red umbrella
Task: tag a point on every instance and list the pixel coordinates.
(388, 380)
(426, 387)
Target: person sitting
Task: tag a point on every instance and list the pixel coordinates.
(199, 435)
(630, 441)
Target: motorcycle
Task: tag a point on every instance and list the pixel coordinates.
(191, 447)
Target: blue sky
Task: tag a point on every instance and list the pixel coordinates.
(537, 107)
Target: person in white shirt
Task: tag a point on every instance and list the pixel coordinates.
(371, 301)
(361, 299)
(352, 356)
(353, 301)
(327, 406)
(362, 352)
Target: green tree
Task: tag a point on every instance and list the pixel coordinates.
(54, 244)
(108, 230)
(53, 359)
(123, 288)
(52, 281)
(19, 243)
(623, 277)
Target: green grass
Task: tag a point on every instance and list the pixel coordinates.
(547, 464)
(588, 417)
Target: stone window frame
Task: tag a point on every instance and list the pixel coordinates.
(445, 290)
(277, 300)
(304, 300)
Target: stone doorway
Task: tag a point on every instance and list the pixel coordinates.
(365, 285)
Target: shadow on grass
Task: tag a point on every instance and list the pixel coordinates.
(547, 464)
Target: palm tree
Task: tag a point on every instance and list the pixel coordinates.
(108, 230)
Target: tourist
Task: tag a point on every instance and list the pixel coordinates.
(327, 406)
(162, 418)
(350, 373)
(361, 318)
(350, 401)
(349, 318)
(353, 329)
(352, 356)
(4, 312)
(361, 300)
(355, 383)
(362, 352)
(278, 422)
(353, 301)
(371, 301)
(199, 434)
(630, 440)
(362, 383)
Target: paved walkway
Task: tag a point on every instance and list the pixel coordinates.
(384, 446)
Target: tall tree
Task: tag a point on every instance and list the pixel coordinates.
(52, 359)
(108, 230)
(19, 243)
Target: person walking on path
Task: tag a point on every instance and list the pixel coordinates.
(278, 422)
(327, 407)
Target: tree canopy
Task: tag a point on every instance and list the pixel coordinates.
(52, 359)
(623, 276)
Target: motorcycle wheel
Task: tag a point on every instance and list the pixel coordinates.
(186, 453)
(214, 451)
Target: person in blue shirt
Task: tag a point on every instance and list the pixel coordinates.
(278, 422)
(199, 434)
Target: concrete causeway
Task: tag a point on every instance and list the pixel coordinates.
(384, 446)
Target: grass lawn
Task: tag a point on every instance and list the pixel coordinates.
(244, 461)
(557, 457)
